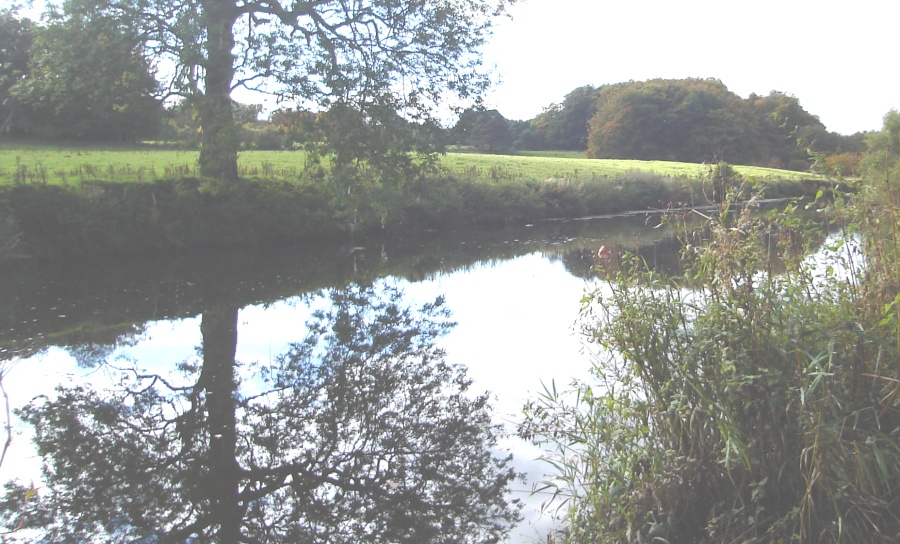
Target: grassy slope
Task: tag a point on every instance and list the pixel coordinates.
(36, 163)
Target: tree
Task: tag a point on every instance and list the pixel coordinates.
(16, 37)
(359, 433)
(379, 58)
(297, 125)
(790, 130)
(882, 161)
(565, 125)
(486, 130)
(87, 78)
(692, 120)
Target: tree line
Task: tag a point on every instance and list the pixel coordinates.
(689, 120)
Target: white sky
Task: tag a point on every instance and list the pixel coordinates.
(838, 58)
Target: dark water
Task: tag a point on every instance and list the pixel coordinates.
(298, 393)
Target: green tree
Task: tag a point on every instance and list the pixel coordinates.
(884, 146)
(565, 126)
(182, 124)
(789, 129)
(691, 120)
(700, 120)
(486, 130)
(88, 78)
(16, 37)
(297, 125)
(380, 59)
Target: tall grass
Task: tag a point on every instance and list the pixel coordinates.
(743, 402)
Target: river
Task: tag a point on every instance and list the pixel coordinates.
(514, 295)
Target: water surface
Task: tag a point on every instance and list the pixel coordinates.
(514, 295)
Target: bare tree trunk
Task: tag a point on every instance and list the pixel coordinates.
(218, 154)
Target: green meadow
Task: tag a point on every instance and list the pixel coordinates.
(63, 165)
(568, 166)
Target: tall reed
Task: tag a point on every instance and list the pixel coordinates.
(754, 399)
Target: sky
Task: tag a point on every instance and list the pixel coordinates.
(838, 58)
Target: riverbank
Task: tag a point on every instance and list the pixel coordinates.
(46, 219)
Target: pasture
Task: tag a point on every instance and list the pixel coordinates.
(21, 163)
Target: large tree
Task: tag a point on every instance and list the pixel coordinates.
(380, 58)
(692, 120)
(361, 432)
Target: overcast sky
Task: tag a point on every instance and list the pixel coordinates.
(838, 58)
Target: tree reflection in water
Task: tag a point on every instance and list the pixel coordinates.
(359, 433)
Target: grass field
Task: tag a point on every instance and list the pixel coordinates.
(62, 165)
(553, 167)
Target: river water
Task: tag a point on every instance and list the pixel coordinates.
(514, 295)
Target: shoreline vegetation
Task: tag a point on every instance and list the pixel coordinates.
(66, 202)
(759, 405)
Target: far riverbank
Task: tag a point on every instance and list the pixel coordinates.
(48, 220)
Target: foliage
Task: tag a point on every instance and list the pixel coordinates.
(368, 64)
(884, 149)
(16, 37)
(181, 128)
(846, 164)
(94, 218)
(743, 402)
(297, 125)
(565, 125)
(485, 130)
(359, 432)
(373, 148)
(700, 120)
(87, 79)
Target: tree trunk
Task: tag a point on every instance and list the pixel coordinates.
(218, 154)
(219, 329)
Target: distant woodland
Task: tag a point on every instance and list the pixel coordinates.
(690, 120)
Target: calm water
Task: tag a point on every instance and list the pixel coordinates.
(110, 326)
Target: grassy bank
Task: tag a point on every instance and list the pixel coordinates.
(60, 201)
